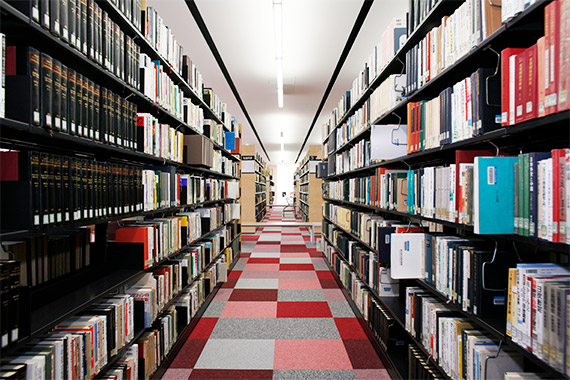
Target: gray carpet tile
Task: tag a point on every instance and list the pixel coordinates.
(237, 354)
(275, 328)
(297, 295)
(341, 310)
(313, 374)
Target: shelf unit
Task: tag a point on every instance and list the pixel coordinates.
(308, 190)
(520, 31)
(254, 187)
(45, 305)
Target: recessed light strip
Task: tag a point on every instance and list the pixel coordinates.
(351, 38)
(208, 37)
(278, 24)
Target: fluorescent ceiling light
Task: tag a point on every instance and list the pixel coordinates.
(278, 23)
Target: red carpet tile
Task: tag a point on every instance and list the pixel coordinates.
(254, 295)
(263, 260)
(296, 267)
(292, 332)
(303, 310)
(203, 328)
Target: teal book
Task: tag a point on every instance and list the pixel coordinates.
(493, 195)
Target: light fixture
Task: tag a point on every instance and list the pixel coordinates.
(282, 149)
(278, 23)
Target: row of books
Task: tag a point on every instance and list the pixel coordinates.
(418, 10)
(535, 80)
(459, 112)
(460, 347)
(392, 39)
(534, 203)
(80, 346)
(387, 95)
(369, 266)
(40, 90)
(161, 38)
(354, 125)
(356, 157)
(160, 140)
(472, 22)
(46, 257)
(224, 165)
(538, 311)
(157, 85)
(54, 189)
(89, 29)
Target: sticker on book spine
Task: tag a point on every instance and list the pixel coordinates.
(491, 175)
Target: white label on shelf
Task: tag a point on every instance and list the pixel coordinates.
(91, 213)
(36, 14)
(519, 110)
(14, 335)
(119, 141)
(91, 135)
(56, 25)
(96, 135)
(48, 120)
(528, 107)
(57, 122)
(72, 127)
(67, 217)
(504, 117)
(65, 33)
(52, 218)
(4, 340)
(46, 219)
(46, 19)
(64, 125)
(36, 220)
(37, 117)
(59, 217)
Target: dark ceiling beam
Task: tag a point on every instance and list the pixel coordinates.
(366, 5)
(210, 41)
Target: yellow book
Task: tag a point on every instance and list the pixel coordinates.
(511, 300)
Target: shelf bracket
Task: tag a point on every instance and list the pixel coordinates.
(493, 357)
(397, 142)
(483, 270)
(497, 67)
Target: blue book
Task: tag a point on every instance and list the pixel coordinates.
(230, 141)
(493, 195)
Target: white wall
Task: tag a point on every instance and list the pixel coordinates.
(283, 178)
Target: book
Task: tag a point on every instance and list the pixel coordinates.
(508, 80)
(493, 196)
(24, 85)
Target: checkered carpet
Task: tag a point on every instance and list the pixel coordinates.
(281, 315)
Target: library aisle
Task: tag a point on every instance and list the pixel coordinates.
(281, 315)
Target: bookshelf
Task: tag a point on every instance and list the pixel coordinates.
(254, 187)
(356, 192)
(111, 192)
(309, 193)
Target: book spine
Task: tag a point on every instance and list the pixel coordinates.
(552, 15)
(64, 19)
(37, 78)
(47, 88)
(72, 87)
(36, 188)
(72, 21)
(56, 100)
(79, 104)
(64, 104)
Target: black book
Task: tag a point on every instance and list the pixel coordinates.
(98, 33)
(118, 120)
(91, 108)
(64, 103)
(56, 100)
(97, 111)
(121, 73)
(72, 105)
(30, 8)
(55, 24)
(23, 82)
(104, 128)
(110, 193)
(105, 189)
(117, 178)
(64, 19)
(90, 188)
(91, 29)
(44, 13)
(106, 43)
(111, 116)
(78, 28)
(58, 187)
(79, 104)
(53, 204)
(109, 312)
(45, 188)
(72, 21)
(116, 50)
(126, 123)
(87, 131)
(47, 90)
(486, 92)
(83, 25)
(75, 168)
(5, 302)
(66, 188)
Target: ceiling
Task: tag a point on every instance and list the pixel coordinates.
(314, 35)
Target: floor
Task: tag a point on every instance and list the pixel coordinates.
(281, 315)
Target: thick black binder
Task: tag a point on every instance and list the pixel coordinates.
(23, 84)
(46, 90)
(56, 100)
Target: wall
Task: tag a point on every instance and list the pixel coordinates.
(283, 178)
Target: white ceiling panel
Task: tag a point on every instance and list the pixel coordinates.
(314, 35)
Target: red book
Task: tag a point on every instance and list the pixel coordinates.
(540, 46)
(136, 234)
(379, 174)
(557, 156)
(507, 84)
(564, 56)
(552, 34)
(521, 69)
(410, 126)
(530, 82)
